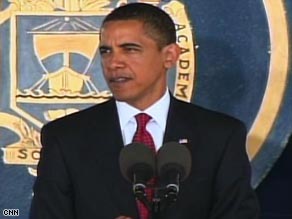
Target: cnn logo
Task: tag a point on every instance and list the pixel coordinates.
(10, 212)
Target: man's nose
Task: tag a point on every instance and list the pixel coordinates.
(116, 60)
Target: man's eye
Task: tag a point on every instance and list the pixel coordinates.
(132, 49)
(104, 51)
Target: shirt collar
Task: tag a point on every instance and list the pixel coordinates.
(158, 111)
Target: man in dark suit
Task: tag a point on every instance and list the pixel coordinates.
(78, 172)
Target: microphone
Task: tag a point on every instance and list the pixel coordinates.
(137, 165)
(173, 165)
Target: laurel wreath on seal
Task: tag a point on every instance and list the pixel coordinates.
(29, 136)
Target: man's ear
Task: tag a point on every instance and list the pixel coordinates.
(171, 54)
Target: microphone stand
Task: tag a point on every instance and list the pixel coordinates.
(154, 206)
(139, 192)
(155, 210)
(163, 197)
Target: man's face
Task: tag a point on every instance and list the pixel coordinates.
(133, 65)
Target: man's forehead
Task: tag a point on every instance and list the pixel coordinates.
(127, 31)
(127, 22)
(114, 28)
(123, 31)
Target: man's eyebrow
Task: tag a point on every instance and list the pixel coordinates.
(123, 45)
(104, 47)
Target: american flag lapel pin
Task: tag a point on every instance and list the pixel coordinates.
(183, 141)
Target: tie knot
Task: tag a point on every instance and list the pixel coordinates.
(142, 119)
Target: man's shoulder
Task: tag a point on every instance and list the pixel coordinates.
(205, 116)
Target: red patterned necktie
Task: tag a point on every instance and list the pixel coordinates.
(143, 136)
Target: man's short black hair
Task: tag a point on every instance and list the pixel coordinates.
(158, 24)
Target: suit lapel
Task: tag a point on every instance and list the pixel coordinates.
(176, 128)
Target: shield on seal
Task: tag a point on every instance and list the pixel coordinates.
(54, 65)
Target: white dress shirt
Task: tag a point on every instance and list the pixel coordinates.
(156, 126)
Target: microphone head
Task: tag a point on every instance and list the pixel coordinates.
(137, 159)
(174, 158)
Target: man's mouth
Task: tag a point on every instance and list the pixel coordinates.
(119, 79)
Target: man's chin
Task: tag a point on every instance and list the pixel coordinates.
(120, 98)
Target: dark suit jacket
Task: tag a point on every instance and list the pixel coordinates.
(79, 175)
